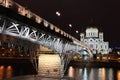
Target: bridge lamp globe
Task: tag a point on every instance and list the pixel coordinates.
(58, 13)
(70, 25)
(118, 53)
(76, 31)
(85, 53)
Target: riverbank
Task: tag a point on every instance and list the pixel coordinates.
(95, 64)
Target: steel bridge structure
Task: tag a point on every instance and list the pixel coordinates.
(26, 32)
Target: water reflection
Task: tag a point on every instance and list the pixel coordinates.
(110, 74)
(118, 75)
(101, 74)
(70, 73)
(5, 72)
(94, 73)
(85, 75)
(8, 72)
(1, 72)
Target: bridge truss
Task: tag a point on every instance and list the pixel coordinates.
(25, 32)
(27, 39)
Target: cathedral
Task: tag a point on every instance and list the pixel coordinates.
(95, 41)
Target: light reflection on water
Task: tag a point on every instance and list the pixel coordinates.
(5, 72)
(118, 75)
(70, 73)
(94, 73)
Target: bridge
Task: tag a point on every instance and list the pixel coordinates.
(24, 33)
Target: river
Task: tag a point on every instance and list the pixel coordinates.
(101, 73)
(74, 73)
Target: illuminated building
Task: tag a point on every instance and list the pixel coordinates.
(95, 40)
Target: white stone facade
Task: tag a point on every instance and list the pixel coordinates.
(49, 65)
(95, 41)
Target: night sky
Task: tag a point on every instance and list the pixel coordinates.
(104, 14)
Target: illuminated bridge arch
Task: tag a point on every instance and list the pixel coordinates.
(29, 38)
(33, 34)
(25, 32)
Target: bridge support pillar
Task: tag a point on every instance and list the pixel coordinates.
(49, 65)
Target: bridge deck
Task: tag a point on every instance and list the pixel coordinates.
(23, 19)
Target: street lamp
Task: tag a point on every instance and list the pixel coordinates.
(70, 25)
(76, 31)
(58, 13)
(58, 17)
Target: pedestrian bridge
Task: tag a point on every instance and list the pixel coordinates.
(24, 32)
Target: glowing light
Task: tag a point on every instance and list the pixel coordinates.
(70, 25)
(118, 53)
(76, 31)
(9, 68)
(85, 74)
(46, 23)
(98, 58)
(9, 72)
(58, 13)
(52, 26)
(101, 74)
(76, 73)
(118, 75)
(70, 73)
(1, 67)
(57, 29)
(110, 75)
(1, 72)
(91, 75)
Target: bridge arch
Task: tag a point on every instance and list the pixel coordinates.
(29, 38)
(22, 31)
